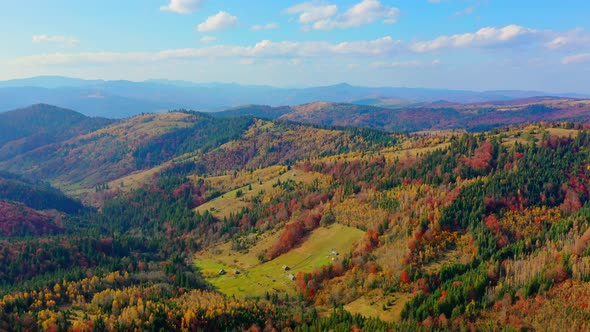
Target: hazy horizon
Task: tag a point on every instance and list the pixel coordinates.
(286, 87)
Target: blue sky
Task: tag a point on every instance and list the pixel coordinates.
(454, 44)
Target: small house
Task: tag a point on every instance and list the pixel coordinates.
(222, 272)
(286, 268)
(291, 276)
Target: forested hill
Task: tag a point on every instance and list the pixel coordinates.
(35, 194)
(426, 116)
(28, 128)
(29, 208)
(191, 140)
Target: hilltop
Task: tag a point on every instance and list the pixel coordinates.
(26, 129)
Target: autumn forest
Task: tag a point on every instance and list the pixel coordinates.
(241, 221)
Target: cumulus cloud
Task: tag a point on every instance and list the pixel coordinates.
(326, 17)
(183, 6)
(569, 40)
(208, 39)
(485, 37)
(311, 12)
(263, 49)
(62, 40)
(576, 58)
(269, 26)
(219, 21)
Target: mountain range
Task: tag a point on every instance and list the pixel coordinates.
(76, 151)
(119, 99)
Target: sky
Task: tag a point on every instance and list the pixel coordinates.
(451, 44)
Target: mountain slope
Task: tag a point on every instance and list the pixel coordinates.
(439, 115)
(25, 129)
(37, 195)
(32, 208)
(17, 219)
(98, 156)
(259, 111)
(207, 144)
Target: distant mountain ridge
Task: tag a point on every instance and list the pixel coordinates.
(440, 115)
(119, 99)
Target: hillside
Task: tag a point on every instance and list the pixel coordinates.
(32, 208)
(19, 220)
(35, 194)
(196, 142)
(98, 156)
(259, 111)
(26, 129)
(439, 115)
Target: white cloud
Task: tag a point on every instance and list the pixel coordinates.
(467, 11)
(557, 43)
(576, 58)
(208, 39)
(219, 21)
(324, 17)
(310, 12)
(569, 40)
(263, 49)
(63, 40)
(485, 37)
(183, 6)
(269, 26)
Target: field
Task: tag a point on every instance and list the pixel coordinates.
(250, 185)
(255, 278)
(376, 304)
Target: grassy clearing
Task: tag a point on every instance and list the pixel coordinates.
(390, 154)
(387, 307)
(561, 132)
(250, 185)
(533, 131)
(255, 278)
